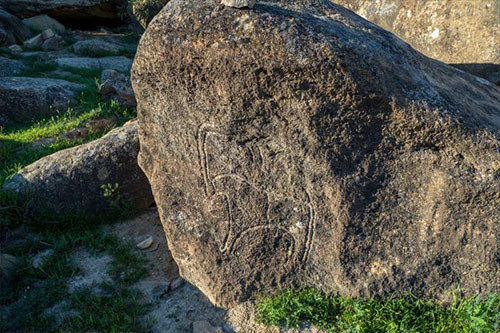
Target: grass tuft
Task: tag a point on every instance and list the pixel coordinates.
(406, 314)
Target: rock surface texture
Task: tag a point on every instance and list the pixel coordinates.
(26, 98)
(297, 143)
(70, 180)
(117, 86)
(449, 30)
(119, 63)
(12, 30)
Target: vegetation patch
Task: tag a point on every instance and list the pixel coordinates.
(406, 314)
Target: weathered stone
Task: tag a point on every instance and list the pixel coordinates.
(43, 22)
(53, 43)
(96, 47)
(117, 86)
(121, 64)
(34, 41)
(15, 48)
(48, 33)
(70, 181)
(26, 98)
(11, 67)
(298, 143)
(12, 30)
(449, 30)
(239, 3)
(67, 11)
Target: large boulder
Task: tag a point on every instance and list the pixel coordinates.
(12, 29)
(83, 179)
(26, 98)
(67, 11)
(449, 30)
(43, 22)
(297, 143)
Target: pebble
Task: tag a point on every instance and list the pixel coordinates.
(203, 326)
(145, 243)
(239, 3)
(15, 48)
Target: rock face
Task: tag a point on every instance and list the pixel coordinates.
(12, 30)
(65, 10)
(26, 98)
(297, 143)
(449, 30)
(70, 180)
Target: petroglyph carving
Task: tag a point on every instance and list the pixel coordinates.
(239, 207)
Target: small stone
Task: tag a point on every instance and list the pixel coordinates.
(34, 41)
(238, 3)
(15, 48)
(40, 258)
(203, 326)
(48, 33)
(176, 283)
(7, 264)
(145, 243)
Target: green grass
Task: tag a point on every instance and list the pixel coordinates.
(17, 150)
(406, 314)
(30, 291)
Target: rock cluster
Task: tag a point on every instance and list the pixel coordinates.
(298, 143)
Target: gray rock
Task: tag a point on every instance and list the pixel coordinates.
(34, 41)
(15, 48)
(25, 98)
(121, 64)
(48, 33)
(53, 43)
(12, 30)
(11, 67)
(239, 3)
(299, 144)
(43, 22)
(69, 11)
(117, 86)
(96, 47)
(70, 181)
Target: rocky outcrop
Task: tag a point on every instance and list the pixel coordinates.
(66, 11)
(297, 143)
(449, 30)
(83, 179)
(117, 86)
(26, 98)
(12, 30)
